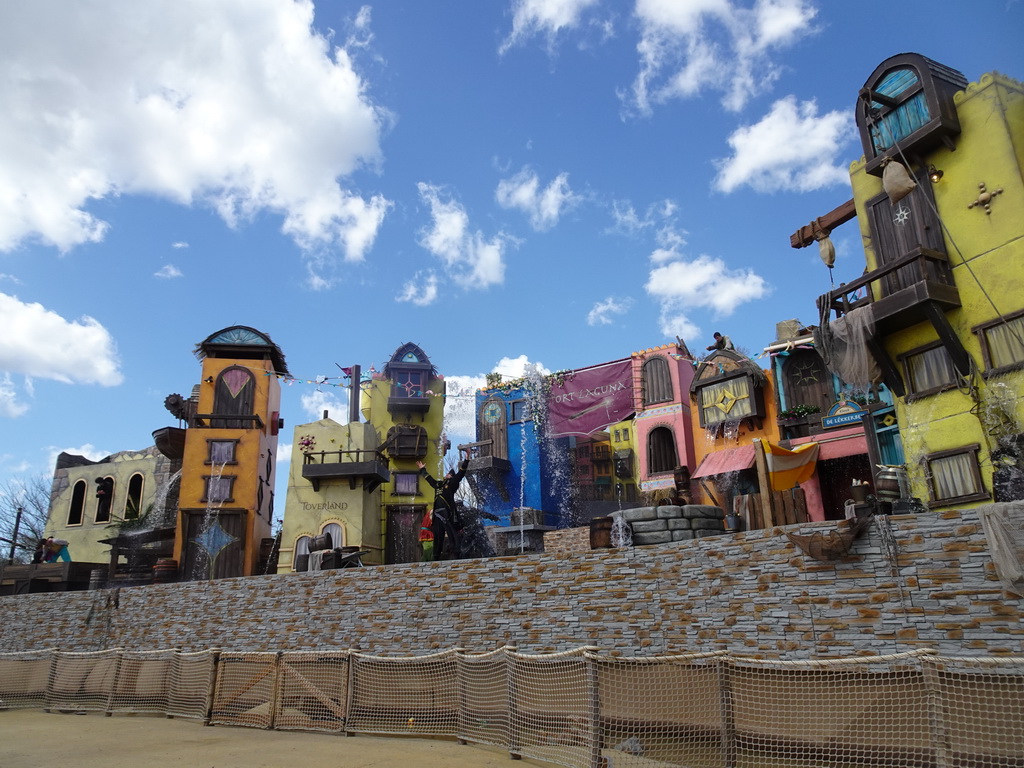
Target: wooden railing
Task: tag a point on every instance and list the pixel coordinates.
(343, 457)
(919, 266)
(226, 421)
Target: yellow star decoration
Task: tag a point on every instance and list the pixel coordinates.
(726, 400)
(888, 420)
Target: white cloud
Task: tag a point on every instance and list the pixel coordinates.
(89, 451)
(38, 342)
(705, 282)
(517, 367)
(677, 324)
(660, 216)
(10, 406)
(283, 458)
(168, 272)
(179, 244)
(603, 312)
(681, 286)
(235, 104)
(12, 278)
(791, 148)
(544, 206)
(469, 258)
(460, 405)
(543, 17)
(421, 290)
(316, 401)
(688, 47)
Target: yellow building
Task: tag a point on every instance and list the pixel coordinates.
(135, 485)
(941, 295)
(405, 403)
(333, 488)
(622, 437)
(226, 495)
(359, 482)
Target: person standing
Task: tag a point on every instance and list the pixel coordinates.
(444, 505)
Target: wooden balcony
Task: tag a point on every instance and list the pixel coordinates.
(222, 421)
(900, 291)
(481, 458)
(369, 466)
(917, 287)
(402, 400)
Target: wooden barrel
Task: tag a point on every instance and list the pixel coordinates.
(601, 533)
(889, 481)
(165, 571)
(321, 542)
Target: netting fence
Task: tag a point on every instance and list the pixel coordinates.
(582, 708)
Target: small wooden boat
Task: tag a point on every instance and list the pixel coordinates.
(832, 545)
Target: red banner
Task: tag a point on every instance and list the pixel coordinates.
(591, 398)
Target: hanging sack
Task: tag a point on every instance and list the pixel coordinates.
(896, 181)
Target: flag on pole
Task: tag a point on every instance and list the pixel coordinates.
(786, 468)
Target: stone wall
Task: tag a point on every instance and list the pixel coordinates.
(567, 540)
(932, 586)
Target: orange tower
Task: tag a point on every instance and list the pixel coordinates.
(227, 478)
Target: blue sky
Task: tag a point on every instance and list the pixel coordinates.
(546, 182)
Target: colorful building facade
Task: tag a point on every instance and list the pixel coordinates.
(944, 254)
(360, 481)
(226, 496)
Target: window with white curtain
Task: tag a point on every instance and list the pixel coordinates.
(1002, 342)
(301, 548)
(725, 401)
(929, 370)
(954, 477)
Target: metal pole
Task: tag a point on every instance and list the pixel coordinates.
(14, 536)
(354, 395)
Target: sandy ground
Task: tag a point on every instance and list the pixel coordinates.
(31, 738)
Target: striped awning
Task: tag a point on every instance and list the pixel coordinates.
(727, 460)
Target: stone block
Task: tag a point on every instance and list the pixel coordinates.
(668, 512)
(681, 535)
(639, 513)
(655, 537)
(700, 534)
(682, 524)
(527, 516)
(707, 524)
(694, 511)
(649, 526)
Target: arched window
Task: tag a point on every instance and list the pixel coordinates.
(337, 534)
(77, 506)
(661, 451)
(657, 381)
(301, 561)
(133, 499)
(104, 498)
(234, 396)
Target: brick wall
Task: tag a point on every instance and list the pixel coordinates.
(750, 593)
(567, 540)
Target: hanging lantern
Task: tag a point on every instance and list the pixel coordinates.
(896, 181)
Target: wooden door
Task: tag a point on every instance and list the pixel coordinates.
(807, 381)
(214, 545)
(402, 542)
(899, 229)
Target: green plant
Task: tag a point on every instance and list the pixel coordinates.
(798, 411)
